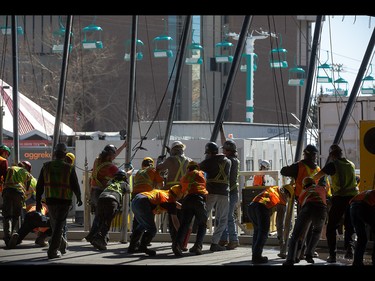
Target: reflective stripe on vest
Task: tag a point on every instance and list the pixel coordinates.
(221, 176)
(181, 172)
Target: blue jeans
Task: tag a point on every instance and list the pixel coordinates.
(144, 215)
(260, 218)
(230, 232)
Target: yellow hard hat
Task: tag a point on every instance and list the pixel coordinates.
(192, 164)
(147, 162)
(71, 156)
(176, 191)
(149, 159)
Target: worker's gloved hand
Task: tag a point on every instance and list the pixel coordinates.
(79, 202)
(161, 158)
(128, 166)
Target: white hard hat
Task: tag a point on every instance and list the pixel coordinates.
(177, 143)
(265, 164)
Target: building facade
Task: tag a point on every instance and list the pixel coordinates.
(98, 79)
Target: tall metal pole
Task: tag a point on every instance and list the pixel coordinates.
(353, 94)
(309, 82)
(177, 83)
(16, 149)
(60, 101)
(126, 199)
(228, 86)
(132, 92)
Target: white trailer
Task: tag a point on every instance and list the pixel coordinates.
(330, 113)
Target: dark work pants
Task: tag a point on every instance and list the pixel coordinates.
(31, 221)
(311, 217)
(106, 211)
(58, 214)
(12, 209)
(362, 215)
(194, 205)
(339, 208)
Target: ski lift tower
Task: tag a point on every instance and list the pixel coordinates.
(250, 68)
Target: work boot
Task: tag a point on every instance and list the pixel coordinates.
(309, 259)
(13, 241)
(217, 248)
(134, 242)
(288, 263)
(232, 245)
(149, 252)
(146, 239)
(196, 249)
(41, 239)
(54, 255)
(259, 260)
(99, 243)
(331, 259)
(176, 248)
(133, 248)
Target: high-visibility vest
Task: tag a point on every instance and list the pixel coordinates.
(56, 174)
(259, 180)
(146, 180)
(18, 178)
(194, 182)
(304, 171)
(344, 182)
(270, 197)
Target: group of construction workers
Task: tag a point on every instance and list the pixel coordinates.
(24, 210)
(185, 192)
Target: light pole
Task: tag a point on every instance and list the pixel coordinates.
(249, 55)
